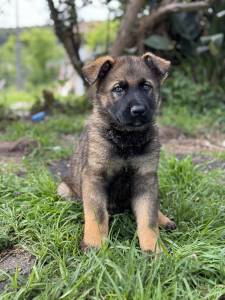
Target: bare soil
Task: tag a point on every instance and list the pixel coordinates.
(13, 152)
(15, 259)
(175, 142)
(59, 168)
(201, 148)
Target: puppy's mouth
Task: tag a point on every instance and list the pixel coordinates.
(136, 123)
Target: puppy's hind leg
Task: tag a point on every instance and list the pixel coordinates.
(64, 191)
(165, 222)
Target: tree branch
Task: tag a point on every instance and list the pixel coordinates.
(149, 22)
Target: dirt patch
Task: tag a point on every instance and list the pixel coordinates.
(70, 139)
(190, 146)
(59, 169)
(167, 133)
(175, 142)
(13, 152)
(15, 259)
(205, 162)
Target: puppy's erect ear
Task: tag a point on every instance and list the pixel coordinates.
(97, 69)
(159, 65)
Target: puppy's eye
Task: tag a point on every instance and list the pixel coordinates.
(147, 86)
(118, 89)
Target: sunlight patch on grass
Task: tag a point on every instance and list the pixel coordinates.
(11, 96)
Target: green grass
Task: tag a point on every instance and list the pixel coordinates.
(219, 155)
(44, 132)
(35, 218)
(194, 107)
(192, 123)
(12, 96)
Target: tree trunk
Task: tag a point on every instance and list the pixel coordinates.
(132, 9)
(68, 32)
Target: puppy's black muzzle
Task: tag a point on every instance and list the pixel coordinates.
(137, 111)
(133, 112)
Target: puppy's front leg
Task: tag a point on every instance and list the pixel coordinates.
(95, 210)
(145, 207)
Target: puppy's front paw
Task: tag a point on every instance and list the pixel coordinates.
(85, 246)
(151, 247)
(149, 240)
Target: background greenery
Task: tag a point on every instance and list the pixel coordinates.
(34, 218)
(41, 55)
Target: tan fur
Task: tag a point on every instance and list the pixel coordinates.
(163, 220)
(92, 69)
(162, 64)
(96, 227)
(94, 233)
(64, 191)
(148, 235)
(98, 159)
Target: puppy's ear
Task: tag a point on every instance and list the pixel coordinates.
(159, 65)
(97, 69)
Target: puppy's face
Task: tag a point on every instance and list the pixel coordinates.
(127, 88)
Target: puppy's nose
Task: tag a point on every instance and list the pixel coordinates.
(137, 110)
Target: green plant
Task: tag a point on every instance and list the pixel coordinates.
(7, 60)
(41, 55)
(181, 89)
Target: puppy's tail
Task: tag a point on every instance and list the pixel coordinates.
(64, 190)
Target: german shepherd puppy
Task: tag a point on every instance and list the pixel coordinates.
(115, 164)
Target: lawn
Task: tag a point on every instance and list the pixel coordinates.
(48, 229)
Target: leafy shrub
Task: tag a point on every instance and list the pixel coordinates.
(181, 90)
(8, 60)
(40, 56)
(75, 105)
